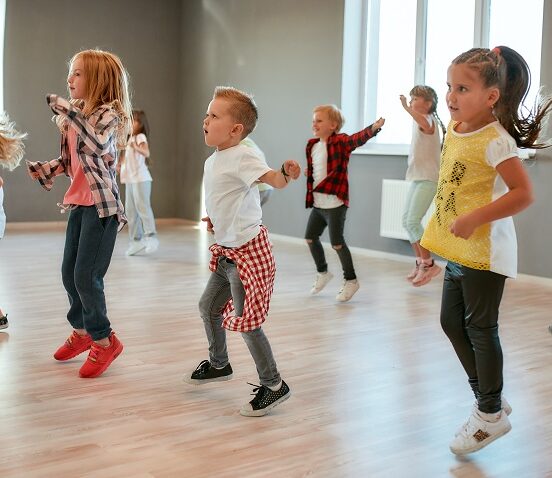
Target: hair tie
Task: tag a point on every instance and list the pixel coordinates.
(496, 51)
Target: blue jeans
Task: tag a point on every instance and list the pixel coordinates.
(419, 197)
(138, 210)
(224, 284)
(469, 317)
(89, 243)
(334, 219)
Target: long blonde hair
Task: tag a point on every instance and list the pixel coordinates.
(107, 84)
(11, 144)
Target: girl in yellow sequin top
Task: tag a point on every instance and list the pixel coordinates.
(482, 184)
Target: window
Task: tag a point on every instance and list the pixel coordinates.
(391, 45)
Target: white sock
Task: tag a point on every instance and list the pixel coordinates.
(277, 387)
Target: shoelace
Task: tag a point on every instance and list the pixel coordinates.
(258, 391)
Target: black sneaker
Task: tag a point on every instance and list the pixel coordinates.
(265, 400)
(4, 322)
(205, 373)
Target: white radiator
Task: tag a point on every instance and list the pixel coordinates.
(393, 199)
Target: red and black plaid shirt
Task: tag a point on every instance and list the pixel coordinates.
(256, 268)
(340, 146)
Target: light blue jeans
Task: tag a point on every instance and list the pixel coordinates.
(223, 284)
(419, 198)
(138, 210)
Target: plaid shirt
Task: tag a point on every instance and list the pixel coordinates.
(340, 146)
(256, 268)
(97, 151)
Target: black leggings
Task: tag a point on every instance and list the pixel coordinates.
(469, 317)
(335, 220)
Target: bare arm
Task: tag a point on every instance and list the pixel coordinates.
(519, 197)
(279, 178)
(420, 118)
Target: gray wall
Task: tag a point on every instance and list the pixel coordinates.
(42, 36)
(287, 53)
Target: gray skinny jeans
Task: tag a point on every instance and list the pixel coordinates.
(223, 284)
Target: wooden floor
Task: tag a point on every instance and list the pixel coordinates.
(377, 389)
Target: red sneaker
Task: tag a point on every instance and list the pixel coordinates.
(100, 357)
(76, 344)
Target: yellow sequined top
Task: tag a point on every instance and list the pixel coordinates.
(468, 180)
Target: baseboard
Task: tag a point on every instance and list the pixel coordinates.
(361, 251)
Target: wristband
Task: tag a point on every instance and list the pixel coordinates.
(283, 171)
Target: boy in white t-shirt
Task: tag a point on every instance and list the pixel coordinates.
(237, 296)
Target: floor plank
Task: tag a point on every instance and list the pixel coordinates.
(377, 389)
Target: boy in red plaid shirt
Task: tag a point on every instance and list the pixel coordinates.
(328, 156)
(237, 296)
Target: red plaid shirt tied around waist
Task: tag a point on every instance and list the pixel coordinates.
(340, 146)
(256, 268)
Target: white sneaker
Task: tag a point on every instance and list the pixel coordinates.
(348, 290)
(506, 407)
(322, 279)
(478, 433)
(152, 244)
(135, 247)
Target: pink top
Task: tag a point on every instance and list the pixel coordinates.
(79, 191)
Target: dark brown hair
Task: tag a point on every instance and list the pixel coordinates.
(506, 69)
(429, 94)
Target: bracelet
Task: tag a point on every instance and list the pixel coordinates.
(283, 171)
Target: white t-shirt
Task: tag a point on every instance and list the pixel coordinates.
(134, 168)
(425, 153)
(319, 154)
(231, 197)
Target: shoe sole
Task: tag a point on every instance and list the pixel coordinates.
(107, 364)
(264, 411)
(482, 444)
(195, 381)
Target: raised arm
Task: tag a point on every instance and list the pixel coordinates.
(358, 139)
(98, 137)
(420, 118)
(279, 178)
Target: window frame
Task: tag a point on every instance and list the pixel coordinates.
(361, 31)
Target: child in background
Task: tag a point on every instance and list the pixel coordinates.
(237, 296)
(423, 173)
(94, 126)
(482, 183)
(137, 179)
(11, 153)
(328, 156)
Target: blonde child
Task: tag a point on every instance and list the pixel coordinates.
(422, 172)
(94, 125)
(328, 156)
(482, 183)
(11, 153)
(237, 296)
(136, 177)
